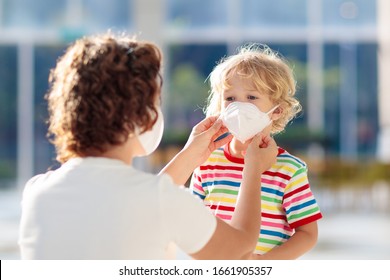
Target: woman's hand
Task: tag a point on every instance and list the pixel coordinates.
(203, 139)
(261, 153)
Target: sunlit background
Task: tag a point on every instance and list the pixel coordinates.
(340, 53)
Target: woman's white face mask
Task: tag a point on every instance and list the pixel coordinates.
(150, 139)
(244, 120)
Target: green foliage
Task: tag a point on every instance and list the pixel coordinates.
(188, 88)
(176, 137)
(187, 98)
(7, 169)
(332, 79)
(299, 133)
(341, 173)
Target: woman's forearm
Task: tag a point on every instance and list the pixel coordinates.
(180, 168)
(247, 213)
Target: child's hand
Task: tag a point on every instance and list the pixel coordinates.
(261, 153)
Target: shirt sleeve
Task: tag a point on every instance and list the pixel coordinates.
(189, 224)
(299, 202)
(196, 184)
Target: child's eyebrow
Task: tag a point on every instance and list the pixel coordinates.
(227, 92)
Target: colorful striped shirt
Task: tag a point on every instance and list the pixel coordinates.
(286, 197)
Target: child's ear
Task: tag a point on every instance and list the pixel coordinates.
(277, 113)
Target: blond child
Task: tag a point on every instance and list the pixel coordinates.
(253, 91)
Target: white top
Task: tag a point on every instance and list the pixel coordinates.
(99, 208)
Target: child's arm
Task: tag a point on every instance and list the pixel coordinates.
(303, 240)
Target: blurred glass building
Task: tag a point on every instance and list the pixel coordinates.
(340, 52)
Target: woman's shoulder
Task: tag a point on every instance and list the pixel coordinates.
(38, 179)
(165, 184)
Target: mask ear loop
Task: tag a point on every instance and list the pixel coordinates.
(273, 109)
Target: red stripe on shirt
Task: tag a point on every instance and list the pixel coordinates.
(220, 167)
(306, 221)
(273, 216)
(277, 174)
(221, 207)
(298, 190)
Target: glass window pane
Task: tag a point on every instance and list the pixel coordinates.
(349, 13)
(367, 84)
(8, 117)
(44, 153)
(104, 14)
(186, 97)
(332, 83)
(33, 13)
(367, 98)
(273, 13)
(195, 13)
(89, 14)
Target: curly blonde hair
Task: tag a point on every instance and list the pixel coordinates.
(102, 89)
(267, 70)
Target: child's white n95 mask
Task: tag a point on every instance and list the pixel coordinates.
(244, 120)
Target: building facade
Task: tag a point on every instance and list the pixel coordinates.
(339, 50)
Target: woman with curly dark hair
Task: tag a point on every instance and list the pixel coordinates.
(104, 110)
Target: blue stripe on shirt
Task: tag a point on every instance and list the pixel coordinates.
(302, 205)
(272, 191)
(228, 183)
(274, 233)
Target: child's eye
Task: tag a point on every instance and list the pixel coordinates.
(230, 98)
(251, 97)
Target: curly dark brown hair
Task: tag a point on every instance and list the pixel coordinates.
(103, 88)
